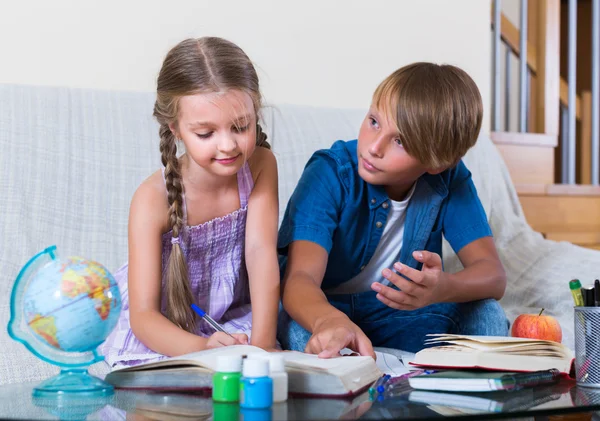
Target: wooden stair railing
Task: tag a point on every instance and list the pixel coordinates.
(510, 35)
(559, 212)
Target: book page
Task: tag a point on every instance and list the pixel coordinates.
(488, 339)
(503, 344)
(392, 365)
(534, 348)
(300, 359)
(206, 358)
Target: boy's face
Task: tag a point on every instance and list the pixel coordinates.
(382, 160)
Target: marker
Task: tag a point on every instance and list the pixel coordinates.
(209, 320)
(379, 382)
(381, 387)
(575, 287)
(597, 293)
(588, 296)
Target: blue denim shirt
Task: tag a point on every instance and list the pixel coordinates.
(335, 208)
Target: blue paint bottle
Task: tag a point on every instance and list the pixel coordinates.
(256, 387)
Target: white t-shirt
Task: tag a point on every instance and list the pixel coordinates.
(385, 254)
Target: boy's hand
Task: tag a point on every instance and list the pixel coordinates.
(219, 339)
(335, 334)
(427, 286)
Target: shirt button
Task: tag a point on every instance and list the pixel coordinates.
(385, 205)
(362, 267)
(378, 224)
(373, 201)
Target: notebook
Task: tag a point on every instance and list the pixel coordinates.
(308, 374)
(494, 353)
(482, 381)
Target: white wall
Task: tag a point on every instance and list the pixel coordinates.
(319, 52)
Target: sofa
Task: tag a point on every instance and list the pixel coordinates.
(72, 158)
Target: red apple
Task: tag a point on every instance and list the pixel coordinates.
(536, 326)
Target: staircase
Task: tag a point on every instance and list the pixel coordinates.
(561, 212)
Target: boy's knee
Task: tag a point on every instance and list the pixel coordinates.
(483, 317)
(290, 334)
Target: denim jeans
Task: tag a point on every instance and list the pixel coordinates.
(405, 330)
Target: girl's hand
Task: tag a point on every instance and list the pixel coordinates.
(425, 287)
(219, 339)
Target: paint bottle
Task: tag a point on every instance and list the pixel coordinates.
(226, 380)
(279, 376)
(256, 387)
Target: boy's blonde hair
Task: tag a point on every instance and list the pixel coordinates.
(437, 110)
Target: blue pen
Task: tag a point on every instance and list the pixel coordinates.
(379, 383)
(381, 387)
(209, 319)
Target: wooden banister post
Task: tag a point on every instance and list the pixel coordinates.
(548, 60)
(584, 146)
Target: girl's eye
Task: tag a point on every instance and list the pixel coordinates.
(241, 129)
(398, 141)
(204, 135)
(373, 122)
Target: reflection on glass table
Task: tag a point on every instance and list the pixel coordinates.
(16, 402)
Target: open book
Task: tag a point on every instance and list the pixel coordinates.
(494, 353)
(307, 373)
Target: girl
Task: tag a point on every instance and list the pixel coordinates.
(203, 229)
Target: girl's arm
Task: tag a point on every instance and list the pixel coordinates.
(147, 223)
(261, 248)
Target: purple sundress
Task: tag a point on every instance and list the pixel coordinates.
(214, 253)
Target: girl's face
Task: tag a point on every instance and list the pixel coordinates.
(218, 130)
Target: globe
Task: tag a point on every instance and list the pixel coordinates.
(62, 309)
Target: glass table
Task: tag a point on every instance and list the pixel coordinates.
(542, 403)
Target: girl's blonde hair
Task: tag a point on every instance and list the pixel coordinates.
(437, 110)
(194, 66)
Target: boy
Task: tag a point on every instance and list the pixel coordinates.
(361, 239)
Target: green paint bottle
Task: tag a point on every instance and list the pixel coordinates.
(226, 380)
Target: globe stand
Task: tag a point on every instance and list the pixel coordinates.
(62, 310)
(73, 381)
(71, 407)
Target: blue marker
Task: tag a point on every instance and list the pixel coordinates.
(209, 320)
(381, 387)
(379, 383)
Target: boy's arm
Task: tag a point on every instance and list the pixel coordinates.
(306, 303)
(483, 277)
(261, 249)
(306, 237)
(468, 232)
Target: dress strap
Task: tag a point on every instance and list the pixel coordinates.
(182, 197)
(245, 184)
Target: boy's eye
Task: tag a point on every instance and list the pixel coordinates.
(204, 135)
(241, 129)
(398, 141)
(373, 122)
